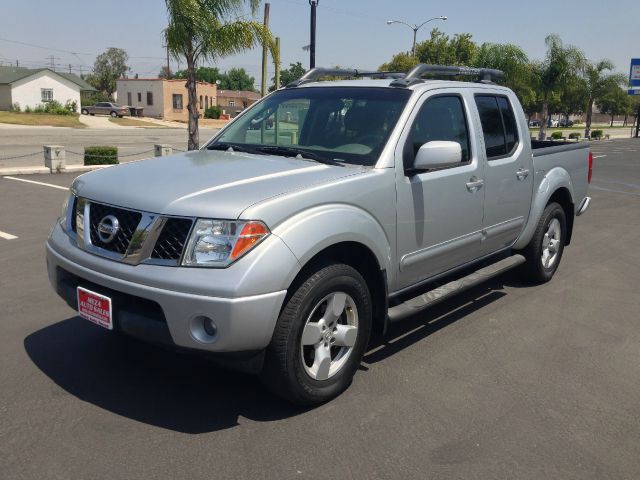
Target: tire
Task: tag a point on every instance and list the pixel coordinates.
(114, 115)
(85, 111)
(296, 364)
(543, 256)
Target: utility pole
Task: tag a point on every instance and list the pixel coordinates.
(17, 64)
(69, 68)
(168, 65)
(263, 87)
(312, 45)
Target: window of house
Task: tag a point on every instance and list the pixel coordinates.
(440, 118)
(139, 96)
(177, 101)
(150, 99)
(200, 102)
(232, 103)
(206, 102)
(129, 102)
(498, 125)
(46, 94)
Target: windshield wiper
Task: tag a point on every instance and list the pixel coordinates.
(296, 152)
(234, 147)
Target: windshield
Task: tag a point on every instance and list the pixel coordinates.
(345, 124)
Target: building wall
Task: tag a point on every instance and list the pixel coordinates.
(142, 86)
(27, 92)
(240, 102)
(5, 97)
(177, 87)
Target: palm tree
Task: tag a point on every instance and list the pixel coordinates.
(598, 85)
(561, 63)
(200, 30)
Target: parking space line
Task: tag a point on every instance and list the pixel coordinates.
(36, 183)
(599, 156)
(7, 236)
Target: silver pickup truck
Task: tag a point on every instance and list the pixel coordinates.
(319, 215)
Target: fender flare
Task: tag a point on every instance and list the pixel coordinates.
(553, 180)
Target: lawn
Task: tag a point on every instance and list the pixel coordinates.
(40, 119)
(132, 122)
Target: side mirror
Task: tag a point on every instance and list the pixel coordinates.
(438, 154)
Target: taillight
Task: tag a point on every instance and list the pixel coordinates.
(590, 167)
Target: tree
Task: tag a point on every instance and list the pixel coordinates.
(288, 75)
(165, 72)
(108, 67)
(200, 30)
(441, 50)
(203, 74)
(573, 97)
(237, 79)
(401, 62)
(598, 85)
(560, 64)
(615, 102)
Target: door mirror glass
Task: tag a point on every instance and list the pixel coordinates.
(438, 154)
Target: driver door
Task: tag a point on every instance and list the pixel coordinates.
(439, 212)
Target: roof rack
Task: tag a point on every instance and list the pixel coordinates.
(317, 73)
(484, 75)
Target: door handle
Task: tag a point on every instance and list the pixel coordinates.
(522, 173)
(474, 184)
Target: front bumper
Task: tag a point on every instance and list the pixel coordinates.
(147, 297)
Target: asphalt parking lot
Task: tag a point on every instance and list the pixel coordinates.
(504, 381)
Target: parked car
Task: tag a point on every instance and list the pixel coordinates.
(280, 250)
(105, 108)
(552, 123)
(565, 123)
(534, 123)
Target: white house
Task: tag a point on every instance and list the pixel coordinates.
(31, 87)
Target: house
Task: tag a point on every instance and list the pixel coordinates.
(30, 87)
(233, 102)
(161, 98)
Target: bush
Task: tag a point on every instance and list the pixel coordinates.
(93, 99)
(213, 112)
(557, 135)
(596, 134)
(574, 135)
(15, 107)
(71, 106)
(100, 155)
(54, 108)
(27, 109)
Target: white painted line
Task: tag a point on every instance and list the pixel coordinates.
(599, 156)
(7, 236)
(37, 183)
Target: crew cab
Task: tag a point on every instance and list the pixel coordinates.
(324, 212)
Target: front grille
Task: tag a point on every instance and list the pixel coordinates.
(127, 219)
(172, 239)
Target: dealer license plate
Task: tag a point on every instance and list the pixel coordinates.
(95, 307)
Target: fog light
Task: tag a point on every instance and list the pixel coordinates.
(203, 329)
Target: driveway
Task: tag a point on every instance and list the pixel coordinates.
(99, 121)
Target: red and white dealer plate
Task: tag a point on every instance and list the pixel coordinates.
(95, 307)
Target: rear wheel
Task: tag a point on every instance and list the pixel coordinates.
(320, 337)
(545, 249)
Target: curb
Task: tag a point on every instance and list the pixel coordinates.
(35, 170)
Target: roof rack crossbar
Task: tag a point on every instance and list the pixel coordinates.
(484, 75)
(318, 73)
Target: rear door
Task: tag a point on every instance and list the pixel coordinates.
(508, 172)
(439, 212)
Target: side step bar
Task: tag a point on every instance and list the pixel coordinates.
(426, 300)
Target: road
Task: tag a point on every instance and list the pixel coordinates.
(508, 381)
(132, 143)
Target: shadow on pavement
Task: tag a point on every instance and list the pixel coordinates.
(179, 392)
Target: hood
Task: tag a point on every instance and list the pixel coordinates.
(211, 184)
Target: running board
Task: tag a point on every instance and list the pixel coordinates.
(426, 300)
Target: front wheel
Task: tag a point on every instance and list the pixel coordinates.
(85, 111)
(114, 115)
(320, 337)
(545, 249)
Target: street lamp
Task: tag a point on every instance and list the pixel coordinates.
(415, 28)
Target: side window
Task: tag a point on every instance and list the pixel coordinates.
(509, 119)
(440, 118)
(491, 126)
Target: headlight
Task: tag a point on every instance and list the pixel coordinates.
(63, 212)
(218, 243)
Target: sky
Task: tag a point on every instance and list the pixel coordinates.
(351, 33)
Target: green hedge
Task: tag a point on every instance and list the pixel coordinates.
(574, 135)
(213, 112)
(596, 134)
(557, 135)
(100, 155)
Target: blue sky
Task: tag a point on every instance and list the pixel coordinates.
(350, 32)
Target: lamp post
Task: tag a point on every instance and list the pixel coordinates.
(415, 29)
(312, 45)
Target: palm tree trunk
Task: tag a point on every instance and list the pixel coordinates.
(545, 113)
(587, 130)
(192, 106)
